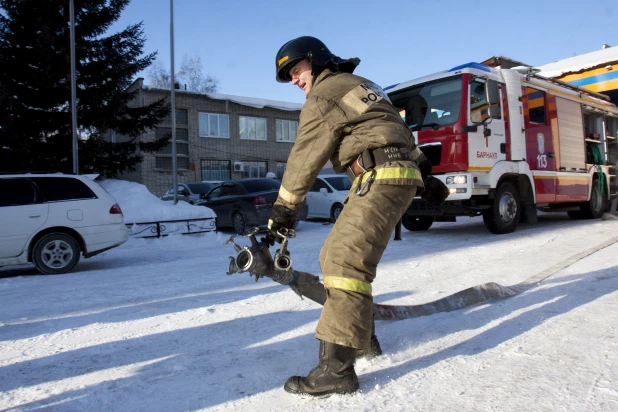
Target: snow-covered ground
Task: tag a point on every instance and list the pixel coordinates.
(156, 325)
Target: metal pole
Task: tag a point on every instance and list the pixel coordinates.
(73, 88)
(398, 230)
(173, 100)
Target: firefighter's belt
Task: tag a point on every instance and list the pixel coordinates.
(371, 158)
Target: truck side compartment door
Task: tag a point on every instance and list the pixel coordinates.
(540, 153)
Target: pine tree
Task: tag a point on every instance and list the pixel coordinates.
(35, 87)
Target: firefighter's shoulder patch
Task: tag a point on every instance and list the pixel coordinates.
(360, 98)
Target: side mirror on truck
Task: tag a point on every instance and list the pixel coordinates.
(484, 110)
(493, 98)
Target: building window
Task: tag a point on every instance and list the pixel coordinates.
(536, 105)
(281, 169)
(163, 159)
(182, 140)
(255, 169)
(214, 125)
(253, 128)
(181, 134)
(286, 130)
(182, 117)
(165, 163)
(215, 170)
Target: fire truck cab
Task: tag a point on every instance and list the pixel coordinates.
(507, 143)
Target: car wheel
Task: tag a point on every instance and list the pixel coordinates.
(503, 215)
(335, 211)
(239, 223)
(55, 253)
(417, 223)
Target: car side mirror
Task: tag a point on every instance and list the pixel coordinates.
(324, 190)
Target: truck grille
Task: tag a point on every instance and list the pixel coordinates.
(433, 152)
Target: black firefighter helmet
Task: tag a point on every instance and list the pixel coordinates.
(307, 47)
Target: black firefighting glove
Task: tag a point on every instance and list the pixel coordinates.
(435, 191)
(281, 220)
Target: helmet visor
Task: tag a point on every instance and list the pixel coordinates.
(284, 65)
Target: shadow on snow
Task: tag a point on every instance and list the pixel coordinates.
(209, 365)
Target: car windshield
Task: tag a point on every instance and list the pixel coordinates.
(200, 188)
(260, 185)
(339, 182)
(432, 104)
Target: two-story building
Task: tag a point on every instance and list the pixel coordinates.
(218, 137)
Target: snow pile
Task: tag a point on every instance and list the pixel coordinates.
(139, 205)
(579, 63)
(255, 102)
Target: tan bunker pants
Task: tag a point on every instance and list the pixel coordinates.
(349, 258)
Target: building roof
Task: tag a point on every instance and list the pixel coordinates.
(255, 102)
(245, 101)
(576, 64)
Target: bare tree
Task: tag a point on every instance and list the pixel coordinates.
(191, 75)
(159, 76)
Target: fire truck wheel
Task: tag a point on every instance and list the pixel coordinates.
(416, 223)
(595, 207)
(575, 214)
(503, 215)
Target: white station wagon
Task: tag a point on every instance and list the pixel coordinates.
(52, 219)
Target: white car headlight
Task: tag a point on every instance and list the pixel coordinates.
(457, 180)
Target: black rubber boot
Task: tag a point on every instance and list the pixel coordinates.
(334, 374)
(374, 346)
(374, 350)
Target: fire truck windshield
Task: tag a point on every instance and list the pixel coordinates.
(432, 104)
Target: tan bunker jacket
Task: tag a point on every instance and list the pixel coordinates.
(343, 116)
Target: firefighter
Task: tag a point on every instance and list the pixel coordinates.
(350, 121)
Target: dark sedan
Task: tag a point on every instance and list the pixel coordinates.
(242, 204)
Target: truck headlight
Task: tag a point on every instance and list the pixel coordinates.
(457, 180)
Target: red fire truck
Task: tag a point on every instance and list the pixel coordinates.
(508, 142)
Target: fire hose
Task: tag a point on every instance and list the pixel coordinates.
(257, 260)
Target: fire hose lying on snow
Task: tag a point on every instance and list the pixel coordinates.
(258, 261)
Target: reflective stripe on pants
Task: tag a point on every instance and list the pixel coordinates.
(349, 259)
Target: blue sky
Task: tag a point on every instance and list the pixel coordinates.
(396, 40)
